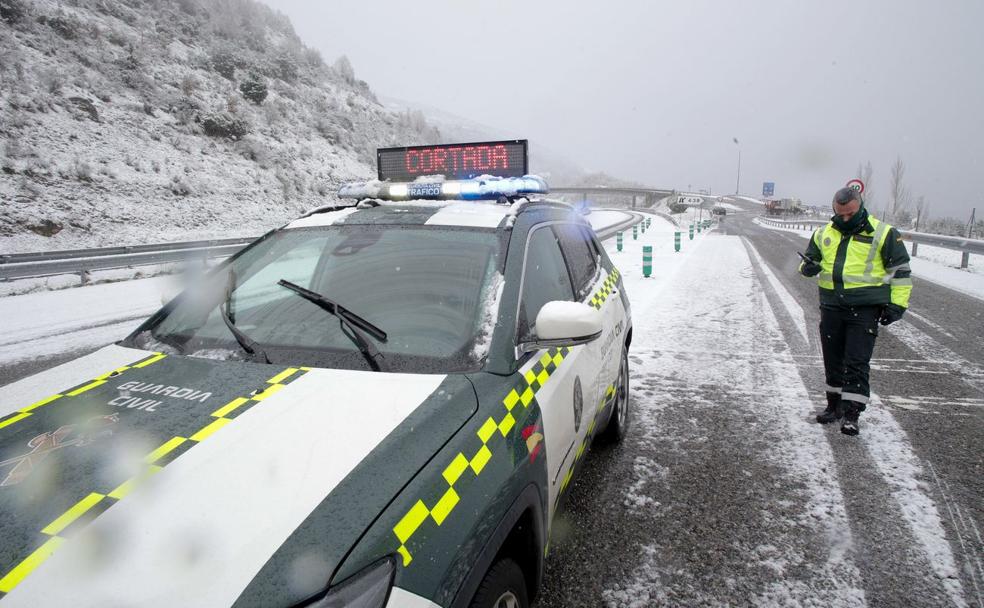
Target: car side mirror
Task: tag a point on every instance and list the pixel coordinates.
(564, 324)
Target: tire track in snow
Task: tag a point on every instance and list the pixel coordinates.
(898, 464)
(791, 531)
(900, 467)
(930, 348)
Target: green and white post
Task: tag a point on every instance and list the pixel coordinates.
(647, 260)
(618, 240)
(635, 231)
(691, 232)
(699, 226)
(676, 241)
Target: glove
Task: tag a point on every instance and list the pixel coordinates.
(810, 268)
(890, 314)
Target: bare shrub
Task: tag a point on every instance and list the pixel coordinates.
(65, 25)
(343, 67)
(53, 81)
(189, 85)
(313, 58)
(82, 170)
(179, 186)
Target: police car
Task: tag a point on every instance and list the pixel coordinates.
(378, 404)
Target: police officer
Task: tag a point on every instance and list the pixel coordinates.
(864, 280)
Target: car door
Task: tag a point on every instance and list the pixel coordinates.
(563, 398)
(606, 299)
(592, 287)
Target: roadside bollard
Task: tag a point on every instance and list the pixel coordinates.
(648, 222)
(618, 240)
(699, 227)
(647, 260)
(635, 231)
(691, 232)
(676, 241)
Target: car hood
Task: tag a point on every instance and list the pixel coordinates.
(134, 478)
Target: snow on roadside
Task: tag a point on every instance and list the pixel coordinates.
(695, 323)
(49, 323)
(602, 218)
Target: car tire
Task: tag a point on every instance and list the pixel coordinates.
(504, 586)
(618, 421)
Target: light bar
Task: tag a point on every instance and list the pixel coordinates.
(484, 188)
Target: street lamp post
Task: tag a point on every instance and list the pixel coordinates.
(738, 180)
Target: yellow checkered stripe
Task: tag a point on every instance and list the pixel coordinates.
(27, 411)
(605, 290)
(96, 503)
(609, 393)
(523, 394)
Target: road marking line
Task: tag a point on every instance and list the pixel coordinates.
(793, 309)
(890, 449)
(956, 520)
(935, 326)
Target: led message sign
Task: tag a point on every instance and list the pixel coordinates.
(454, 161)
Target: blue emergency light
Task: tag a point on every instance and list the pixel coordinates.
(481, 188)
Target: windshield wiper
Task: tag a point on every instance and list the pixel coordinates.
(248, 344)
(348, 320)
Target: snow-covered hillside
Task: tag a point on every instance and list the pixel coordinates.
(128, 121)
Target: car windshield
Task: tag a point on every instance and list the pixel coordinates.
(432, 291)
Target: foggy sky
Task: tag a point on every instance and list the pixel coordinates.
(655, 91)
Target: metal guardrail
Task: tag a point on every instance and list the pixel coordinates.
(955, 243)
(83, 261)
(609, 232)
(665, 216)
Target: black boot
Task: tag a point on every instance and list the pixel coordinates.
(852, 410)
(834, 409)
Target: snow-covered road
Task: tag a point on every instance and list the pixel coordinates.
(726, 492)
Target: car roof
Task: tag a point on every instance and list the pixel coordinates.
(465, 214)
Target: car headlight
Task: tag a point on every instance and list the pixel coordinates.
(368, 588)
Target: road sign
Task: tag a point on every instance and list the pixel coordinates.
(691, 200)
(768, 188)
(856, 184)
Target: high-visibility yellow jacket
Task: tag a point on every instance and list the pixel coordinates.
(869, 266)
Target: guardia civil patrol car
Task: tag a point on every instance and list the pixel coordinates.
(378, 404)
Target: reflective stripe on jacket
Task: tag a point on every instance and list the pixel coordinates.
(867, 267)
